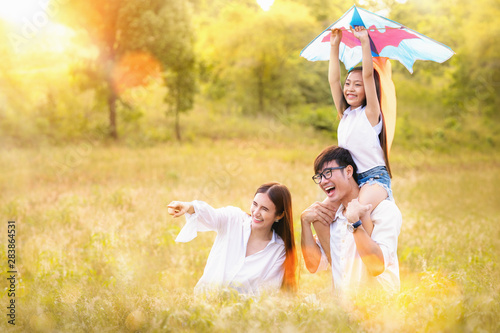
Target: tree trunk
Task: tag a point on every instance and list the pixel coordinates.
(177, 125)
(178, 107)
(260, 87)
(260, 90)
(109, 66)
(112, 112)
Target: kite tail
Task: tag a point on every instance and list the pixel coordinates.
(387, 105)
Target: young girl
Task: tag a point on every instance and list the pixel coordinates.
(251, 253)
(361, 122)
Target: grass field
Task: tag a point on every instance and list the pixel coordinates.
(96, 252)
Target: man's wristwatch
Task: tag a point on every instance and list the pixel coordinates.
(352, 227)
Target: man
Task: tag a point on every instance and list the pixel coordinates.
(358, 261)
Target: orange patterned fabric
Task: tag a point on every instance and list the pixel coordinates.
(388, 97)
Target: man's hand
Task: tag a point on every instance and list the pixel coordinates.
(322, 214)
(319, 212)
(356, 211)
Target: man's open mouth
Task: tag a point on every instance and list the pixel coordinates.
(329, 189)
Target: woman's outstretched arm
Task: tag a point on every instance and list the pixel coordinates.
(178, 208)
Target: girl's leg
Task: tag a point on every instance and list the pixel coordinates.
(371, 194)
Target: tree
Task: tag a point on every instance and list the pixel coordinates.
(476, 86)
(119, 27)
(251, 56)
(99, 20)
(169, 37)
(326, 11)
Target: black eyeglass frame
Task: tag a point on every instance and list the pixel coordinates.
(317, 177)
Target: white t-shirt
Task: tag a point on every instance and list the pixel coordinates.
(227, 265)
(356, 134)
(348, 270)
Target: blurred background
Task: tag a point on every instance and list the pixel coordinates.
(145, 72)
(111, 109)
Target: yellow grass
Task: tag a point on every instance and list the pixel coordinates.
(96, 250)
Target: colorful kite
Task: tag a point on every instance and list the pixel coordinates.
(387, 38)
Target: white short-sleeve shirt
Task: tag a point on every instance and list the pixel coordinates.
(356, 134)
(227, 265)
(348, 270)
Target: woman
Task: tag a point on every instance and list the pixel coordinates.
(251, 253)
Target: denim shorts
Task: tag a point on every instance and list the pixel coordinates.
(377, 175)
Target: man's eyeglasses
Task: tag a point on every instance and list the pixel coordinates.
(327, 173)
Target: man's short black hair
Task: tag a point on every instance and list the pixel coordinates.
(338, 154)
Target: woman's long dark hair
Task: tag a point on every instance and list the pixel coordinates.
(383, 134)
(282, 199)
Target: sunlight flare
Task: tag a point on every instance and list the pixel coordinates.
(25, 11)
(265, 4)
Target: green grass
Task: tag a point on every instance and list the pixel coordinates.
(96, 248)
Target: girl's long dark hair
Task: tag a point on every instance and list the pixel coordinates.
(383, 134)
(282, 199)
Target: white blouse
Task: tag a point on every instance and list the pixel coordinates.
(356, 134)
(227, 265)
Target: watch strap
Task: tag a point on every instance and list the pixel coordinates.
(352, 227)
(355, 225)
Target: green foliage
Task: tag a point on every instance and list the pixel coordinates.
(325, 11)
(120, 28)
(323, 118)
(247, 62)
(472, 75)
(250, 56)
(165, 30)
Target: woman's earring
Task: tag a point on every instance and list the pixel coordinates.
(276, 221)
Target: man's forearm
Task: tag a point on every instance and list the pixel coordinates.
(323, 235)
(310, 250)
(369, 251)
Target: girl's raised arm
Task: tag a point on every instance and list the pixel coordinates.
(334, 72)
(372, 103)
